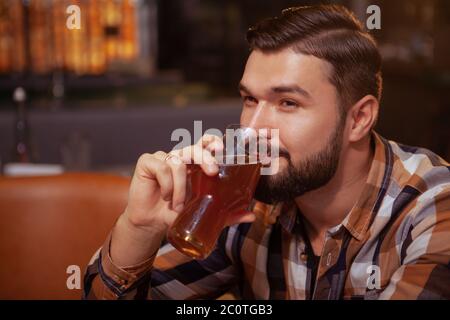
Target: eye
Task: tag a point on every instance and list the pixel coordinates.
(289, 104)
(249, 101)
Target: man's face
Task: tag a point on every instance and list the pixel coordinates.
(291, 92)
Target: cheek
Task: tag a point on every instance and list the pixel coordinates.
(306, 136)
(292, 137)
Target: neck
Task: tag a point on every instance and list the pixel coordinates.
(328, 206)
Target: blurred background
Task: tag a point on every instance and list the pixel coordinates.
(94, 99)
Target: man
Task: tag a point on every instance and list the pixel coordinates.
(353, 215)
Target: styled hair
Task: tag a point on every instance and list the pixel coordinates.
(331, 33)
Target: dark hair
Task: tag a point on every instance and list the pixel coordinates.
(332, 33)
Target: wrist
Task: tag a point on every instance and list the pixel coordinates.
(150, 230)
(131, 245)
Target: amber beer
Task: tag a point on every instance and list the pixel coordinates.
(213, 198)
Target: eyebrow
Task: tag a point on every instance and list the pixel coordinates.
(243, 88)
(281, 89)
(291, 89)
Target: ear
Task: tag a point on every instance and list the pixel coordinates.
(363, 116)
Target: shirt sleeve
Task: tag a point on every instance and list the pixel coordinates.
(168, 275)
(425, 269)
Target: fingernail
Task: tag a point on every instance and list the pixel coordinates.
(179, 208)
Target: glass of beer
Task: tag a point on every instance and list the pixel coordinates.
(212, 199)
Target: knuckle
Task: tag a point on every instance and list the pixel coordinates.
(160, 154)
(144, 158)
(215, 138)
(207, 137)
(174, 161)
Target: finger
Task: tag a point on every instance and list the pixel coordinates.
(207, 139)
(204, 158)
(151, 167)
(179, 172)
(161, 155)
(215, 146)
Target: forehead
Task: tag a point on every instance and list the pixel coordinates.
(285, 67)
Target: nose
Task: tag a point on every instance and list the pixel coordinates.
(260, 117)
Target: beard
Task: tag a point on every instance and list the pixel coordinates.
(308, 174)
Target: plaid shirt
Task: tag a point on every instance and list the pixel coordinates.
(393, 244)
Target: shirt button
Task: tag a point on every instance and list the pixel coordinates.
(328, 259)
(303, 257)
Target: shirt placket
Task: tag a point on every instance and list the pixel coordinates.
(328, 258)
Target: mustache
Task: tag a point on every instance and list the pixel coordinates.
(284, 153)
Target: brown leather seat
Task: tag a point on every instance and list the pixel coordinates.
(50, 223)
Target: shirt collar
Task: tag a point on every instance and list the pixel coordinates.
(361, 215)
